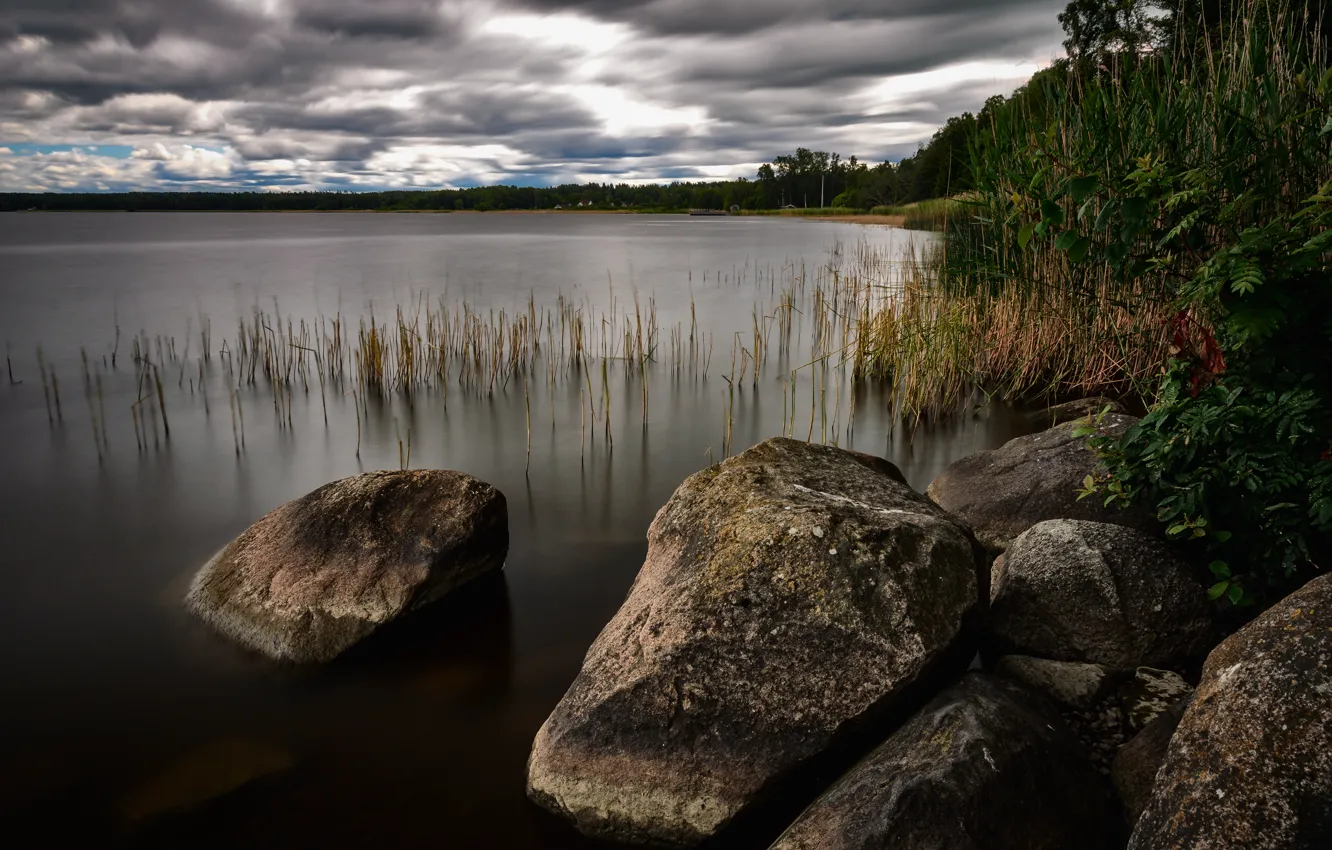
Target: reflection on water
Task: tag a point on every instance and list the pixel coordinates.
(113, 693)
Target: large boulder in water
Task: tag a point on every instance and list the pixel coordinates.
(1250, 765)
(321, 573)
(985, 765)
(790, 597)
(1104, 594)
(1002, 493)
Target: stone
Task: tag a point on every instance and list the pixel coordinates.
(321, 573)
(1068, 683)
(1100, 728)
(997, 569)
(1250, 765)
(792, 597)
(1004, 492)
(1084, 409)
(1150, 693)
(985, 765)
(1073, 590)
(1137, 762)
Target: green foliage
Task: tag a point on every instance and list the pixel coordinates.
(1203, 188)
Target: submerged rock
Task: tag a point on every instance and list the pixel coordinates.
(985, 765)
(1073, 590)
(1068, 683)
(211, 771)
(1250, 765)
(790, 596)
(319, 574)
(1004, 492)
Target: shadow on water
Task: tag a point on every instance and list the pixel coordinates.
(466, 638)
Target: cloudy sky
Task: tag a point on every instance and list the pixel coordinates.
(360, 94)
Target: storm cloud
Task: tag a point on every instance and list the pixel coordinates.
(145, 94)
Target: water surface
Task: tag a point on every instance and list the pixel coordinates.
(113, 693)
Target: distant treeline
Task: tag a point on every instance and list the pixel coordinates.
(804, 178)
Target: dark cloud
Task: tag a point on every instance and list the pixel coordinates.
(390, 92)
(386, 19)
(705, 17)
(136, 22)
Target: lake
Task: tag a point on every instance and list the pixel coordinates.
(533, 345)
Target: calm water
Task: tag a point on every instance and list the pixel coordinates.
(117, 704)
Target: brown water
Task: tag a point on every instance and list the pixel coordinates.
(124, 719)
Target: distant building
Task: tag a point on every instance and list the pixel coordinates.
(559, 206)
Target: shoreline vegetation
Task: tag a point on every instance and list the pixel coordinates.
(1151, 219)
(863, 216)
(882, 216)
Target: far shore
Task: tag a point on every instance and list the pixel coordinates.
(882, 220)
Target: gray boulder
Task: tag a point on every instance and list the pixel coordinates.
(790, 596)
(1137, 762)
(1004, 492)
(321, 573)
(1250, 765)
(985, 765)
(1069, 683)
(1073, 590)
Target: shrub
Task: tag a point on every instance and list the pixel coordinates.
(1202, 186)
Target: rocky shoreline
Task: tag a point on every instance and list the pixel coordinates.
(815, 652)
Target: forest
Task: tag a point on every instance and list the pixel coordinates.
(804, 178)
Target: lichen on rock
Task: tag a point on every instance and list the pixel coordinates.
(789, 596)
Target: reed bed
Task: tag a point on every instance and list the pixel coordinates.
(1101, 192)
(923, 215)
(937, 344)
(805, 319)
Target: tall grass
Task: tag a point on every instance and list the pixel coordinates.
(936, 345)
(924, 215)
(1100, 193)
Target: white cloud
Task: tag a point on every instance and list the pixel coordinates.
(586, 35)
(621, 114)
(374, 93)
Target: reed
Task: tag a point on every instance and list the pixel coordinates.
(55, 394)
(46, 389)
(92, 408)
(161, 401)
(441, 347)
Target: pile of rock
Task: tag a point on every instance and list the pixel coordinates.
(805, 621)
(800, 608)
